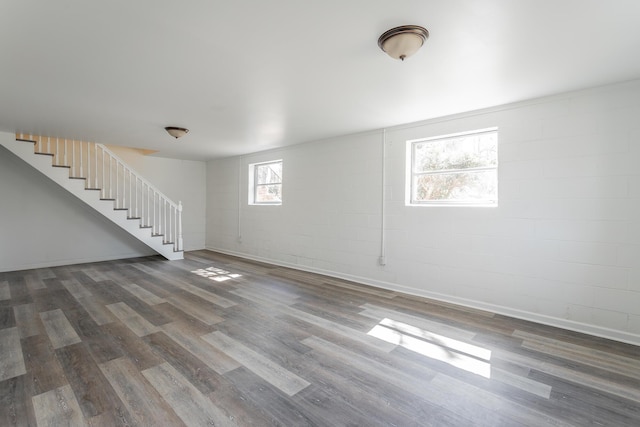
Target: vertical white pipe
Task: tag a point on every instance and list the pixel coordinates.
(239, 236)
(110, 178)
(383, 260)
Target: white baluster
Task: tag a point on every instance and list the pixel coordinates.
(81, 159)
(104, 186)
(110, 178)
(147, 221)
(48, 145)
(148, 207)
(57, 162)
(73, 158)
(172, 225)
(169, 226)
(179, 242)
(117, 184)
(65, 152)
(164, 220)
(143, 220)
(105, 178)
(88, 181)
(95, 153)
(161, 218)
(150, 197)
(164, 210)
(130, 194)
(135, 198)
(154, 224)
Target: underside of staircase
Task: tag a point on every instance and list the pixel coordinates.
(95, 175)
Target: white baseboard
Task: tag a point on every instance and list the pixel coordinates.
(571, 325)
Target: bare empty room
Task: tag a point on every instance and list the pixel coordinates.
(363, 213)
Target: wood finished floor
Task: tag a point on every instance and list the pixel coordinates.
(217, 340)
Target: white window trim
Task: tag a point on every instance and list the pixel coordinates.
(253, 185)
(410, 173)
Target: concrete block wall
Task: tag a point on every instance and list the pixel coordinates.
(561, 248)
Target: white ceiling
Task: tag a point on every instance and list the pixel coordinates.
(248, 76)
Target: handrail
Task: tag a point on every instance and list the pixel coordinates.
(105, 171)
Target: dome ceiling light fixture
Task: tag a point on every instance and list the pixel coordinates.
(176, 132)
(402, 42)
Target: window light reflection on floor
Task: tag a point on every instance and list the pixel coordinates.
(456, 353)
(217, 274)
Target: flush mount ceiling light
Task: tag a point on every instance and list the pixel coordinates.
(402, 42)
(176, 132)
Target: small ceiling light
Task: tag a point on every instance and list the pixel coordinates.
(176, 132)
(402, 42)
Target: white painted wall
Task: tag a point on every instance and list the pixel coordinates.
(43, 225)
(562, 247)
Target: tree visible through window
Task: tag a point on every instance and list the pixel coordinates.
(455, 169)
(267, 183)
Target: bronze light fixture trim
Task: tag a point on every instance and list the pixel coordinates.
(176, 132)
(402, 42)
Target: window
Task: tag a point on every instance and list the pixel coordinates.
(266, 183)
(460, 169)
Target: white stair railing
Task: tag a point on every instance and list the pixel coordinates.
(103, 170)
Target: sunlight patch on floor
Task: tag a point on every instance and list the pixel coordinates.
(217, 274)
(456, 353)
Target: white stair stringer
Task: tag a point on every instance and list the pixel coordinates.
(76, 186)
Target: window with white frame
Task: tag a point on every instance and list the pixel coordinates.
(265, 180)
(459, 169)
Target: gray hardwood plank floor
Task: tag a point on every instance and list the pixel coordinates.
(218, 340)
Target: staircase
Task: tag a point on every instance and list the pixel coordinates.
(98, 177)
